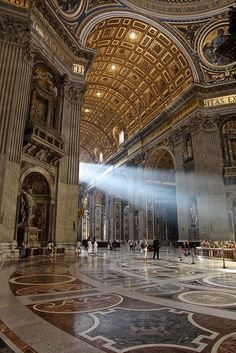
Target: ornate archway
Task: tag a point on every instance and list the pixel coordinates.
(42, 197)
(161, 209)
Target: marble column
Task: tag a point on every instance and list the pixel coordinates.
(15, 78)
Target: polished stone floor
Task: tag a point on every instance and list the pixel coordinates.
(118, 302)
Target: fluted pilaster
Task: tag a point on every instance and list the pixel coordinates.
(69, 166)
(15, 76)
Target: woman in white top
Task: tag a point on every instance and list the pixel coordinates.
(90, 247)
(145, 249)
(95, 247)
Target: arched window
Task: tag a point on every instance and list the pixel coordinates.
(121, 137)
(100, 157)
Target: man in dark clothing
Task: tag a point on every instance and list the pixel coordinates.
(156, 247)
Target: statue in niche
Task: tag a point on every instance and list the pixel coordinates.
(233, 151)
(85, 202)
(188, 150)
(28, 207)
(193, 213)
(45, 79)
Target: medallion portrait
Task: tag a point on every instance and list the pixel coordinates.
(212, 40)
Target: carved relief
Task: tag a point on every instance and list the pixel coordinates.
(74, 91)
(229, 142)
(14, 30)
(209, 124)
(193, 213)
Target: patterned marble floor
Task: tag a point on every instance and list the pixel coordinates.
(118, 302)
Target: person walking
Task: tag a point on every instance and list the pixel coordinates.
(77, 247)
(23, 250)
(90, 248)
(145, 249)
(95, 247)
(156, 248)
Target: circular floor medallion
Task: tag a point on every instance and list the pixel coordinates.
(224, 280)
(42, 279)
(208, 298)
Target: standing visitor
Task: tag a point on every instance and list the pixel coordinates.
(145, 249)
(23, 250)
(95, 247)
(50, 248)
(77, 247)
(156, 247)
(90, 247)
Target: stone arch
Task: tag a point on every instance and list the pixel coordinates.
(136, 93)
(161, 205)
(160, 158)
(87, 28)
(43, 193)
(36, 169)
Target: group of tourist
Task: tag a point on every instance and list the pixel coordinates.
(112, 245)
(143, 247)
(92, 247)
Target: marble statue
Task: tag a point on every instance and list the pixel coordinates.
(28, 207)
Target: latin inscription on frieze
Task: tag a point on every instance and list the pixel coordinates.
(219, 101)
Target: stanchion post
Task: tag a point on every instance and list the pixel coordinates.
(223, 258)
(192, 253)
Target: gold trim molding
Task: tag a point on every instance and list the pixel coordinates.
(21, 3)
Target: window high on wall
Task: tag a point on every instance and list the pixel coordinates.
(100, 157)
(121, 137)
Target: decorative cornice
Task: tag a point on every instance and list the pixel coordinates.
(54, 26)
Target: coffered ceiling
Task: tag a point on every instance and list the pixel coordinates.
(138, 71)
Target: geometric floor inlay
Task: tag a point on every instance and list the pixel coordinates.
(147, 328)
(80, 305)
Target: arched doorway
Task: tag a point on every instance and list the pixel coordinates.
(42, 197)
(161, 207)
